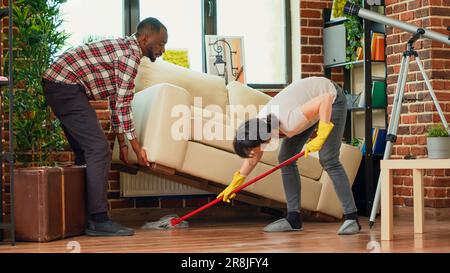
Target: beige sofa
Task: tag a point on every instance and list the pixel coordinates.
(162, 87)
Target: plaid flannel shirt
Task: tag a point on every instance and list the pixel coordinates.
(106, 69)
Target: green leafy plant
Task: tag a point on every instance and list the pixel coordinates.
(355, 142)
(355, 32)
(37, 39)
(437, 131)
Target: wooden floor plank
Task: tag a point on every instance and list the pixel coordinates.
(248, 236)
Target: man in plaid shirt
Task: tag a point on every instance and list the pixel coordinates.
(100, 70)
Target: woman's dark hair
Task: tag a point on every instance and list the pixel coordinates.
(253, 133)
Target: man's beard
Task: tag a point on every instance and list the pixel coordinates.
(152, 57)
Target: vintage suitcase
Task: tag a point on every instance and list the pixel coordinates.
(49, 203)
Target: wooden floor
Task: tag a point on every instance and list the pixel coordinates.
(204, 237)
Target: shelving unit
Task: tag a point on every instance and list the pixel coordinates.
(362, 117)
(7, 156)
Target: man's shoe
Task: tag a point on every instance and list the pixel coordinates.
(107, 228)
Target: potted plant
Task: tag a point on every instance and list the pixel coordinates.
(355, 33)
(49, 201)
(38, 38)
(438, 142)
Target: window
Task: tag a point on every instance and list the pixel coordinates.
(87, 20)
(184, 25)
(262, 24)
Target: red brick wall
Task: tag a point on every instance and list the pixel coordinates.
(418, 116)
(311, 35)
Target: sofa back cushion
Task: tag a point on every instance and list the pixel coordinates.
(210, 88)
(242, 97)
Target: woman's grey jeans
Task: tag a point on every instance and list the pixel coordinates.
(328, 157)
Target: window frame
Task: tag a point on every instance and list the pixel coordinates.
(131, 16)
(209, 27)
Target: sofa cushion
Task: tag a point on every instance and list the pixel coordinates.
(241, 96)
(210, 88)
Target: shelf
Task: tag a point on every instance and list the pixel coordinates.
(374, 111)
(335, 22)
(361, 109)
(355, 63)
(375, 78)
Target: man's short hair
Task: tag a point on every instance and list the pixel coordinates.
(149, 25)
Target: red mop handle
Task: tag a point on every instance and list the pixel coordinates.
(176, 221)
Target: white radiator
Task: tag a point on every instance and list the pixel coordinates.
(144, 184)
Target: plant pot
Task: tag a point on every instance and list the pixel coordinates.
(49, 203)
(438, 147)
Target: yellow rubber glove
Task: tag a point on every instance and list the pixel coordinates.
(238, 179)
(322, 135)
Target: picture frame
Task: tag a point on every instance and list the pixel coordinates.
(225, 57)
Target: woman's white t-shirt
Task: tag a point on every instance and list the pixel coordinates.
(287, 103)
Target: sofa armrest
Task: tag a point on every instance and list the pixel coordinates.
(153, 119)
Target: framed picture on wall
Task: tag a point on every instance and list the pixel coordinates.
(225, 57)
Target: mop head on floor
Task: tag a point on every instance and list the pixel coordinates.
(165, 223)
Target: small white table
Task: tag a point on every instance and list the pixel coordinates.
(387, 197)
